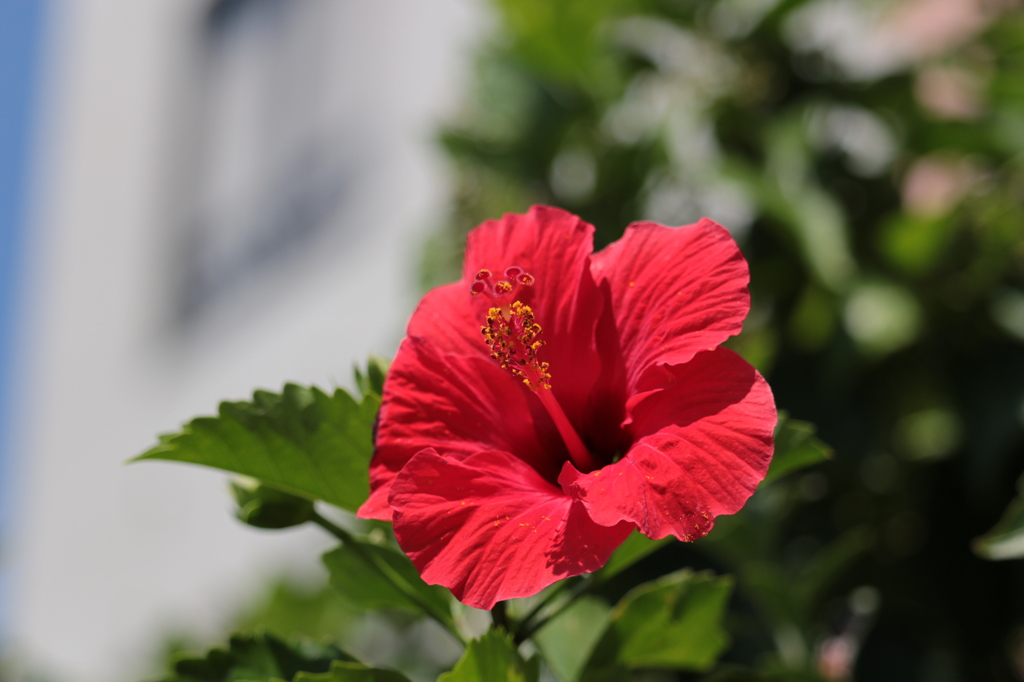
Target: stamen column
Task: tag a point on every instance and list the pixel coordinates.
(512, 335)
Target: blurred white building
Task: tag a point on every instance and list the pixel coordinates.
(229, 194)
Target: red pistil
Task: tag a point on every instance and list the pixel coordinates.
(578, 452)
(512, 335)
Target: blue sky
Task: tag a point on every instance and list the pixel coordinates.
(21, 23)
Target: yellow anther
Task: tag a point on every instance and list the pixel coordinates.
(513, 341)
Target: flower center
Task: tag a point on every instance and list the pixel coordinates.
(513, 334)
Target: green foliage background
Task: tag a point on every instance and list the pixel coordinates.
(882, 211)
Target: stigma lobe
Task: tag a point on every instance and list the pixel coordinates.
(503, 291)
(512, 335)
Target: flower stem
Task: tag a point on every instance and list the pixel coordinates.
(499, 616)
(527, 629)
(387, 572)
(541, 605)
(578, 452)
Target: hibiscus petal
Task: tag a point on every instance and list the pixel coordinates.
(551, 244)
(554, 246)
(459, 405)
(675, 292)
(701, 446)
(490, 528)
(451, 318)
(544, 241)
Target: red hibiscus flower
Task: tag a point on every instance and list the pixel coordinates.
(555, 399)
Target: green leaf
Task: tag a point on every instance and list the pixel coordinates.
(303, 441)
(673, 622)
(372, 382)
(567, 640)
(1006, 539)
(493, 658)
(264, 506)
(796, 447)
(636, 547)
(357, 571)
(287, 609)
(353, 672)
(256, 658)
